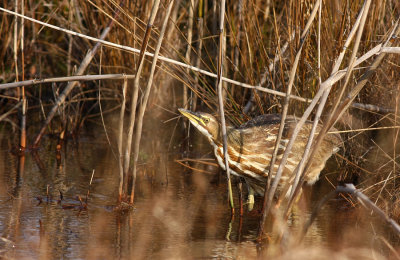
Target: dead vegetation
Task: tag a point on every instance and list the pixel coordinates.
(336, 62)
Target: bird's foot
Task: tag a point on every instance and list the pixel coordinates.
(250, 202)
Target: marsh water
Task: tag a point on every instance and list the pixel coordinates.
(178, 213)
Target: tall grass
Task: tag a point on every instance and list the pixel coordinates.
(274, 57)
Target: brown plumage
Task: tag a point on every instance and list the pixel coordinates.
(251, 145)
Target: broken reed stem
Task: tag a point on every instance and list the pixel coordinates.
(361, 83)
(270, 191)
(122, 178)
(221, 54)
(135, 94)
(90, 185)
(145, 98)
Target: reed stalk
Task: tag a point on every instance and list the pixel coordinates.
(344, 105)
(189, 38)
(270, 191)
(122, 178)
(15, 42)
(24, 110)
(305, 157)
(135, 92)
(221, 56)
(200, 31)
(145, 98)
(70, 39)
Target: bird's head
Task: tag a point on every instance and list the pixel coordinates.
(204, 122)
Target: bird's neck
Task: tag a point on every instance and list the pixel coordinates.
(232, 135)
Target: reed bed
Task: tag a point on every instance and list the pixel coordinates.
(335, 62)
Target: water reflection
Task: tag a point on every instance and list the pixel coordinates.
(178, 213)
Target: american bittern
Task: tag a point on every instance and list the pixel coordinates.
(251, 145)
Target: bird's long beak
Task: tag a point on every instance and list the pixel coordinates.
(193, 117)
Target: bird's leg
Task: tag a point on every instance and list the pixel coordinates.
(250, 197)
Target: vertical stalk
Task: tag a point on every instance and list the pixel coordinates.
(188, 52)
(142, 109)
(16, 43)
(69, 54)
(200, 31)
(24, 101)
(302, 165)
(344, 105)
(187, 102)
(122, 180)
(221, 54)
(135, 92)
(320, 108)
(270, 191)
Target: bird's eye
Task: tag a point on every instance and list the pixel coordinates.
(206, 120)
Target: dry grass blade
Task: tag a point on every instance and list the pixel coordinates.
(262, 57)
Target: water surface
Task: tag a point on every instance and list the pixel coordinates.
(179, 213)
